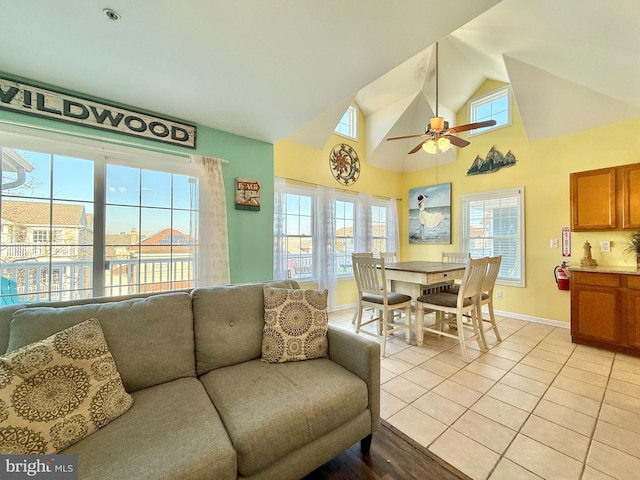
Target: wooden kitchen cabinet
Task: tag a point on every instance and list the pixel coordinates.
(605, 308)
(606, 199)
(630, 175)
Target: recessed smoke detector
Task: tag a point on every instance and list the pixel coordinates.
(112, 15)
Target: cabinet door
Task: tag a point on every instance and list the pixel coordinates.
(593, 200)
(631, 197)
(596, 307)
(633, 310)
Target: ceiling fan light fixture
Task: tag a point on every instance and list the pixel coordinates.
(436, 123)
(444, 144)
(430, 146)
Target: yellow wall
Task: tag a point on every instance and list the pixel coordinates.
(542, 167)
(305, 164)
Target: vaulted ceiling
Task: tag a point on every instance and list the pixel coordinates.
(288, 69)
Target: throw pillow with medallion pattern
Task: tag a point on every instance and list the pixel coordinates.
(295, 325)
(57, 391)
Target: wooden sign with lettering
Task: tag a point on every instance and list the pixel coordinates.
(247, 194)
(42, 102)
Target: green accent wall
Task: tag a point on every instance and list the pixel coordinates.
(250, 232)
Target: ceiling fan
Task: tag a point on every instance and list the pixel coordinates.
(438, 134)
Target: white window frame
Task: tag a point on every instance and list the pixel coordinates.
(374, 237)
(101, 153)
(342, 269)
(465, 230)
(303, 192)
(350, 120)
(475, 104)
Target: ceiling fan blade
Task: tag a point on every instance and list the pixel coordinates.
(457, 141)
(408, 136)
(417, 148)
(471, 126)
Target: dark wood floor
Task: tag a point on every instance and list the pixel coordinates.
(393, 456)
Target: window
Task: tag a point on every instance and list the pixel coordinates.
(493, 224)
(40, 236)
(345, 235)
(298, 232)
(493, 106)
(348, 124)
(356, 225)
(379, 229)
(68, 210)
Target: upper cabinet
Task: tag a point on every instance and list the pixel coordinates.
(606, 199)
(631, 197)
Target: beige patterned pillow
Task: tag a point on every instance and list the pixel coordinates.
(59, 390)
(295, 325)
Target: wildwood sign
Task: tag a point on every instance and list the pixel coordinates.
(29, 99)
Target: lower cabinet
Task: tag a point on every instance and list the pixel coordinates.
(605, 310)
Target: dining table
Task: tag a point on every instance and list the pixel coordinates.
(415, 277)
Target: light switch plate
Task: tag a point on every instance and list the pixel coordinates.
(553, 243)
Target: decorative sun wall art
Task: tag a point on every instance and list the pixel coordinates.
(430, 214)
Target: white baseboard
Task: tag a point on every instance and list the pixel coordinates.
(531, 318)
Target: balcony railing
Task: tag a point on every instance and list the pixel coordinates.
(37, 250)
(31, 281)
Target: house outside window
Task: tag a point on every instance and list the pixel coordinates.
(348, 124)
(357, 226)
(345, 235)
(493, 106)
(379, 230)
(40, 236)
(67, 210)
(492, 225)
(298, 230)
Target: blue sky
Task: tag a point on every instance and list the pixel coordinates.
(135, 198)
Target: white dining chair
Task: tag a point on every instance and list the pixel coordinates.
(389, 257)
(486, 298)
(465, 302)
(358, 254)
(455, 257)
(373, 293)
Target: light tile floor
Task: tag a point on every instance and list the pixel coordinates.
(534, 406)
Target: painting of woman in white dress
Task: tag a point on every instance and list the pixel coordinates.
(430, 214)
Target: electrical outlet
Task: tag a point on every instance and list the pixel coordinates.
(605, 246)
(498, 294)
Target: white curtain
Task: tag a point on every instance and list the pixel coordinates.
(324, 251)
(210, 228)
(364, 228)
(393, 230)
(279, 235)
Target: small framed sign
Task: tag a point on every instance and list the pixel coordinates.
(247, 194)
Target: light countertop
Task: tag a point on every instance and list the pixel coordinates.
(625, 270)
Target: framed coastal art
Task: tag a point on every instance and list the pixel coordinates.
(430, 214)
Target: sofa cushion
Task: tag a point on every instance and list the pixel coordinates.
(151, 339)
(228, 323)
(270, 410)
(295, 325)
(57, 391)
(172, 431)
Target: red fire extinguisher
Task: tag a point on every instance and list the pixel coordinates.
(561, 275)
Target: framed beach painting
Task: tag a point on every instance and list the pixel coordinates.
(430, 214)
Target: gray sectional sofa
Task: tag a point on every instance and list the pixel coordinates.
(204, 404)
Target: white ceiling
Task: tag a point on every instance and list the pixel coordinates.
(288, 69)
